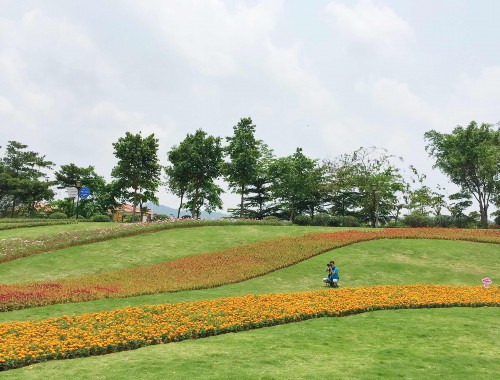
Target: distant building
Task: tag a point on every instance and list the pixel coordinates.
(125, 209)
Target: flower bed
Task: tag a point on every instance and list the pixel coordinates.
(27, 342)
(219, 267)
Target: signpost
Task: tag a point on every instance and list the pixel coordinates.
(72, 192)
(84, 192)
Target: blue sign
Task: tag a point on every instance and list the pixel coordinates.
(84, 192)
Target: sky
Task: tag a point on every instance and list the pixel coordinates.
(326, 76)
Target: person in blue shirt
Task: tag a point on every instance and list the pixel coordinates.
(334, 275)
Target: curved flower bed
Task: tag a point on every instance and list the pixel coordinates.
(218, 268)
(27, 342)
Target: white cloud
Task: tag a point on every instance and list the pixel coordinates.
(396, 97)
(370, 25)
(218, 41)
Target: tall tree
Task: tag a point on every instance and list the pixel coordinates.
(366, 184)
(470, 157)
(258, 192)
(177, 173)
(293, 180)
(243, 152)
(24, 178)
(138, 169)
(198, 161)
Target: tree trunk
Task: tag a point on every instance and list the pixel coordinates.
(134, 205)
(195, 200)
(180, 206)
(483, 211)
(241, 203)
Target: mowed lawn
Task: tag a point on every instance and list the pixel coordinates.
(432, 343)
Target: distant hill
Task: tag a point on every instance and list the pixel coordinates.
(165, 210)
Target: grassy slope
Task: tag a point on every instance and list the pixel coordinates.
(372, 263)
(139, 250)
(411, 343)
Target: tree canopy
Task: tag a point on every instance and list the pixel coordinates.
(470, 157)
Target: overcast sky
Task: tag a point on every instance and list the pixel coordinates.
(328, 76)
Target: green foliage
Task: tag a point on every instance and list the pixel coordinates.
(162, 217)
(470, 157)
(497, 220)
(417, 220)
(101, 218)
(23, 181)
(131, 218)
(138, 169)
(295, 180)
(243, 153)
(349, 221)
(196, 163)
(302, 220)
(321, 219)
(444, 221)
(366, 184)
(58, 215)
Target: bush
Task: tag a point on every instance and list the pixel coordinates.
(349, 221)
(321, 219)
(395, 224)
(417, 220)
(131, 219)
(271, 218)
(497, 220)
(101, 218)
(302, 220)
(162, 217)
(445, 221)
(335, 221)
(58, 215)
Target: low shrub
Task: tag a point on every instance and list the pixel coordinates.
(321, 219)
(443, 221)
(349, 221)
(101, 218)
(302, 220)
(417, 220)
(271, 218)
(58, 215)
(335, 221)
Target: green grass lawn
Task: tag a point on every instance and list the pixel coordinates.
(412, 344)
(29, 232)
(428, 343)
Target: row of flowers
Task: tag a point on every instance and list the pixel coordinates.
(210, 269)
(27, 342)
(15, 248)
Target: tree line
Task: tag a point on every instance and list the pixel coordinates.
(367, 186)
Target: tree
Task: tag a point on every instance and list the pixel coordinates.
(196, 164)
(137, 169)
(365, 184)
(293, 180)
(243, 153)
(23, 179)
(258, 192)
(470, 157)
(177, 174)
(103, 198)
